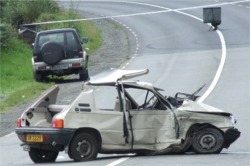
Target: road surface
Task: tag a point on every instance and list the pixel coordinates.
(181, 53)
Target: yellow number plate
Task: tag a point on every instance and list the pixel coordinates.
(34, 138)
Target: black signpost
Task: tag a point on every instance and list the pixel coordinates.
(212, 15)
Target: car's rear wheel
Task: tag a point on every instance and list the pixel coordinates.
(207, 141)
(42, 156)
(83, 147)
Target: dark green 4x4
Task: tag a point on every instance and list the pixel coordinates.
(59, 52)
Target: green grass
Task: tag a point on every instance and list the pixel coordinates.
(16, 81)
(16, 68)
(19, 96)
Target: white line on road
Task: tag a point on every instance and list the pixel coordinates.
(118, 161)
(219, 70)
(8, 135)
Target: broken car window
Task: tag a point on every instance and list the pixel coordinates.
(145, 99)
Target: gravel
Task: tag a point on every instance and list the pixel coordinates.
(116, 50)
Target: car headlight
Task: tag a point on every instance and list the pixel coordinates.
(233, 120)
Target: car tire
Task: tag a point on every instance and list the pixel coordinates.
(84, 75)
(38, 77)
(42, 156)
(52, 53)
(83, 147)
(208, 141)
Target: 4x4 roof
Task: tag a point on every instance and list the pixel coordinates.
(57, 30)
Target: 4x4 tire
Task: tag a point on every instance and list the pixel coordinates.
(52, 53)
(84, 75)
(38, 76)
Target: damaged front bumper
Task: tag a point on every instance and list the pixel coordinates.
(230, 136)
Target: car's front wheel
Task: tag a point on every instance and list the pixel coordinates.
(208, 141)
(42, 156)
(83, 147)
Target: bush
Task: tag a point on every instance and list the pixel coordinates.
(5, 35)
(84, 28)
(20, 12)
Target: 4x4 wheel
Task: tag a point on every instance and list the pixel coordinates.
(42, 156)
(38, 76)
(83, 147)
(52, 53)
(84, 75)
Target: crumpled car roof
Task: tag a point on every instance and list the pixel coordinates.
(118, 75)
(121, 77)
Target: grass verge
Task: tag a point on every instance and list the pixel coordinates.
(16, 81)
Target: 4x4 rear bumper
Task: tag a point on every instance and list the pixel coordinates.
(62, 65)
(51, 136)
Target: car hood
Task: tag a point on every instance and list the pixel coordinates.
(191, 106)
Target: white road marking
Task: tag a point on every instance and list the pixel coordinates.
(118, 161)
(8, 135)
(136, 39)
(219, 70)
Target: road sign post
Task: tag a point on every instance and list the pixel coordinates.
(212, 15)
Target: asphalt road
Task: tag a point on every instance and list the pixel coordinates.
(182, 54)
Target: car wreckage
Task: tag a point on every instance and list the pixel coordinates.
(133, 118)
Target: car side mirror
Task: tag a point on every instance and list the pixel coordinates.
(85, 40)
(32, 45)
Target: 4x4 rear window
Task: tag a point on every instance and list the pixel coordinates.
(71, 41)
(55, 37)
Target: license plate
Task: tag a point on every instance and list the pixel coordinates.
(34, 138)
(58, 67)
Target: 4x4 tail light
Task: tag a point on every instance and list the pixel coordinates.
(76, 65)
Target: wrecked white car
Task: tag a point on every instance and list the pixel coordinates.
(114, 115)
